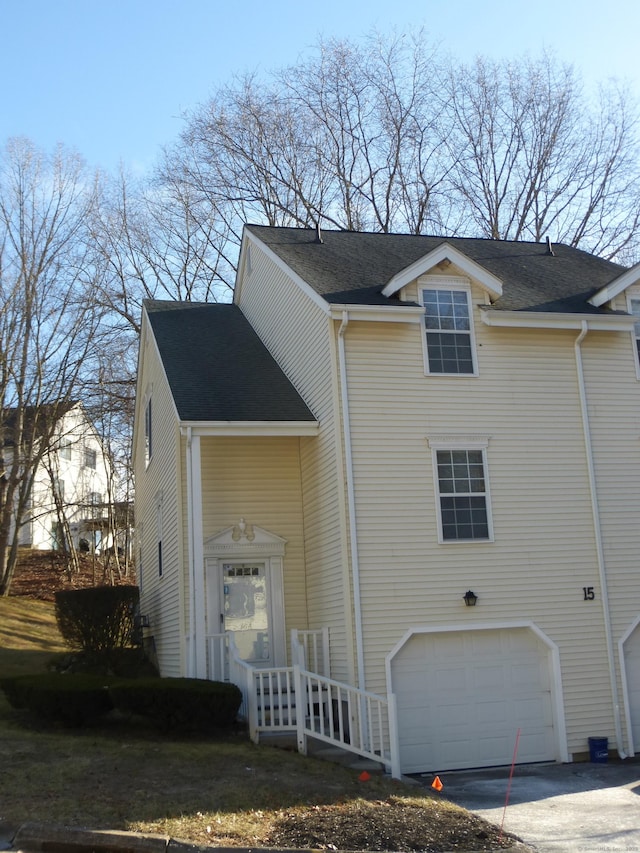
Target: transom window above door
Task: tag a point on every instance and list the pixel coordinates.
(448, 329)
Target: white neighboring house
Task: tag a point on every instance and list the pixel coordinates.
(70, 488)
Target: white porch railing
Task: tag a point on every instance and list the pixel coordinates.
(339, 714)
(310, 650)
(217, 657)
(310, 704)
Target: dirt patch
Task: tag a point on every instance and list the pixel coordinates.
(39, 574)
(393, 824)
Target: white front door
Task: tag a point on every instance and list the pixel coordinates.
(246, 610)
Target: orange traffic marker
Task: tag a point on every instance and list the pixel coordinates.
(437, 784)
(364, 776)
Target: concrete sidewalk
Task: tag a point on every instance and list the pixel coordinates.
(573, 808)
(38, 837)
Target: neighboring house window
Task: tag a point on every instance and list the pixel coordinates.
(57, 536)
(148, 432)
(449, 335)
(58, 488)
(634, 307)
(95, 502)
(65, 448)
(462, 490)
(90, 458)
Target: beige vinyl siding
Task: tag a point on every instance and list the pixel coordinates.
(525, 401)
(297, 333)
(160, 597)
(614, 407)
(258, 479)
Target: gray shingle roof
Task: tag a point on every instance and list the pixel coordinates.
(218, 368)
(350, 267)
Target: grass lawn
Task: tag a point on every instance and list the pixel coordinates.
(223, 791)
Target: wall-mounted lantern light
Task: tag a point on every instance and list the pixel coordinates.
(470, 598)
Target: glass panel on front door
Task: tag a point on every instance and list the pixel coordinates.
(246, 610)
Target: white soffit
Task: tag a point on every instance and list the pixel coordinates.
(261, 428)
(615, 287)
(444, 252)
(378, 313)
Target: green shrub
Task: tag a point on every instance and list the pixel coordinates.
(69, 699)
(99, 620)
(182, 704)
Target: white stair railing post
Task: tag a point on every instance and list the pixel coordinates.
(394, 740)
(301, 713)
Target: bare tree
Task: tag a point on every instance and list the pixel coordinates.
(350, 139)
(534, 156)
(386, 135)
(47, 319)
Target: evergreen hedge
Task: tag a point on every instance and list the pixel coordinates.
(72, 700)
(179, 704)
(99, 620)
(173, 704)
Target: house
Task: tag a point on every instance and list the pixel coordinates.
(400, 476)
(70, 488)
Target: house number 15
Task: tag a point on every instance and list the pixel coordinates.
(588, 593)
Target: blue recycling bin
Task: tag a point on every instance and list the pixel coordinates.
(598, 750)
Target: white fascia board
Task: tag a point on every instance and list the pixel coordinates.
(277, 260)
(444, 252)
(615, 287)
(549, 320)
(256, 428)
(237, 287)
(147, 337)
(378, 313)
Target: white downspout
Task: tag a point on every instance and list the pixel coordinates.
(191, 664)
(602, 571)
(351, 500)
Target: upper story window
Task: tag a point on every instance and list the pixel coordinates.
(462, 490)
(65, 448)
(449, 331)
(90, 458)
(148, 432)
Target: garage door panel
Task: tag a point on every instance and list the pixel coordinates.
(490, 713)
(475, 690)
(632, 669)
(489, 677)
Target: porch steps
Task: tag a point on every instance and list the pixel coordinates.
(343, 757)
(321, 750)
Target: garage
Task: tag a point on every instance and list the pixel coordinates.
(463, 695)
(632, 669)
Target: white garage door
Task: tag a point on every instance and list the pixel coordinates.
(462, 696)
(632, 665)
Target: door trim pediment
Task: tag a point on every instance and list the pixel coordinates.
(244, 540)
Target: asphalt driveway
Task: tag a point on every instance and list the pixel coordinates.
(584, 807)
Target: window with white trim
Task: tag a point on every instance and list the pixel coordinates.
(159, 532)
(460, 474)
(634, 309)
(148, 432)
(65, 448)
(448, 328)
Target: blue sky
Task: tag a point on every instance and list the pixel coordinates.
(111, 78)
